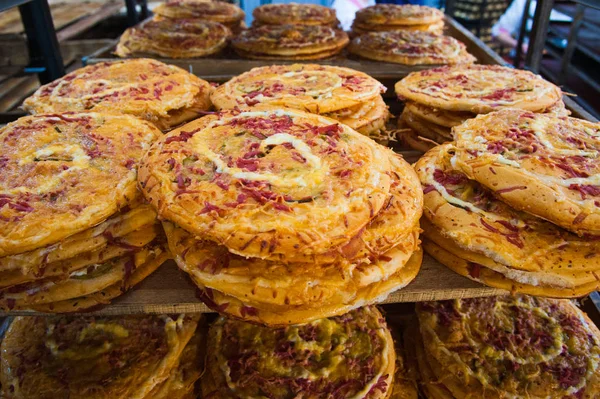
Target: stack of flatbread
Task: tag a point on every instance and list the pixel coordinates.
(350, 356)
(514, 203)
(294, 14)
(505, 347)
(436, 100)
(348, 96)
(394, 17)
(283, 217)
(149, 357)
(74, 232)
(162, 94)
(221, 12)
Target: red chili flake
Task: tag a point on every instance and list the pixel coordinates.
(509, 189)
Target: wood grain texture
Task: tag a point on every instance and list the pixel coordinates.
(169, 290)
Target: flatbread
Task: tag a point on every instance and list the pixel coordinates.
(438, 116)
(368, 118)
(294, 14)
(66, 172)
(423, 128)
(539, 163)
(394, 14)
(217, 11)
(436, 28)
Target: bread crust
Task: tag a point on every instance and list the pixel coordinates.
(393, 14)
(294, 14)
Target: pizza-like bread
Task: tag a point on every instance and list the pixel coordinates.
(92, 357)
(162, 94)
(478, 89)
(508, 346)
(174, 38)
(268, 181)
(368, 118)
(66, 172)
(462, 213)
(217, 11)
(350, 356)
(410, 48)
(394, 14)
(411, 139)
(294, 14)
(424, 128)
(438, 116)
(290, 41)
(436, 28)
(539, 163)
(310, 87)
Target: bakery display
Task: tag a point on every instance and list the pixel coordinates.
(99, 357)
(261, 204)
(289, 42)
(395, 17)
(438, 99)
(162, 94)
(294, 14)
(468, 228)
(224, 13)
(350, 356)
(507, 346)
(75, 175)
(173, 38)
(349, 96)
(410, 48)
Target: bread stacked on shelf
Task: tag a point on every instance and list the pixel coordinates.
(438, 99)
(513, 203)
(348, 96)
(410, 48)
(224, 13)
(394, 17)
(173, 38)
(290, 42)
(506, 347)
(162, 94)
(284, 217)
(350, 356)
(147, 357)
(74, 232)
(294, 14)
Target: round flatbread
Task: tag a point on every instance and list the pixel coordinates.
(539, 163)
(511, 346)
(66, 172)
(217, 11)
(394, 14)
(170, 38)
(91, 357)
(438, 116)
(314, 88)
(356, 359)
(162, 94)
(410, 48)
(423, 128)
(290, 40)
(412, 140)
(267, 182)
(436, 28)
(368, 118)
(478, 89)
(527, 249)
(294, 14)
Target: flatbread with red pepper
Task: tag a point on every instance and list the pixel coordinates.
(162, 94)
(410, 48)
(294, 14)
(478, 89)
(291, 41)
(395, 14)
(510, 346)
(227, 14)
(66, 172)
(92, 357)
(436, 28)
(368, 118)
(356, 351)
(181, 38)
(538, 163)
(267, 182)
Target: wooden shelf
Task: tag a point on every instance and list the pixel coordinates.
(169, 290)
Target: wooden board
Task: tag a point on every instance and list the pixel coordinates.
(169, 290)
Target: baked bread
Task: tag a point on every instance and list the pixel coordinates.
(96, 357)
(356, 352)
(261, 183)
(294, 14)
(437, 28)
(478, 89)
(290, 42)
(538, 163)
(173, 38)
(438, 116)
(162, 94)
(394, 14)
(507, 346)
(216, 11)
(410, 48)
(368, 118)
(424, 128)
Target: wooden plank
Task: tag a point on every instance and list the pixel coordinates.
(169, 290)
(88, 21)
